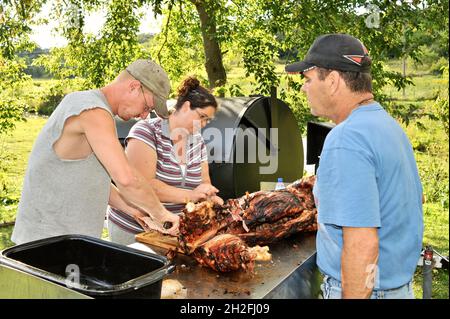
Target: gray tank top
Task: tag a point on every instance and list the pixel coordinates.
(61, 197)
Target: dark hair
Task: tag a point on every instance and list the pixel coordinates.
(360, 82)
(199, 97)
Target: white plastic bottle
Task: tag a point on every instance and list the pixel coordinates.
(280, 184)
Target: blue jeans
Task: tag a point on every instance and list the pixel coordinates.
(332, 289)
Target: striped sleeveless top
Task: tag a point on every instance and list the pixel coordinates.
(156, 134)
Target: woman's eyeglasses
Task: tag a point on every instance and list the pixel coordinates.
(203, 117)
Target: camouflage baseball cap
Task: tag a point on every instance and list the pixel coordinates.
(155, 79)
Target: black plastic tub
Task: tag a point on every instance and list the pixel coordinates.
(91, 266)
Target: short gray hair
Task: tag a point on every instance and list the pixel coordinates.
(360, 82)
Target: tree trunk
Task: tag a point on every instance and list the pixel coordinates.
(213, 56)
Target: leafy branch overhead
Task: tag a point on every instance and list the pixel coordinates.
(206, 35)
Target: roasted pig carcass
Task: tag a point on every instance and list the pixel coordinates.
(272, 215)
(258, 218)
(268, 207)
(199, 223)
(267, 233)
(261, 217)
(226, 252)
(302, 189)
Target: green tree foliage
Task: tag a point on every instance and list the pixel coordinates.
(52, 92)
(95, 59)
(301, 22)
(260, 30)
(11, 107)
(14, 29)
(178, 47)
(255, 30)
(197, 30)
(441, 103)
(33, 70)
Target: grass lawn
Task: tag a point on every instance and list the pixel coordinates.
(14, 151)
(435, 234)
(431, 150)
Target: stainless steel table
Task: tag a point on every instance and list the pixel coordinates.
(292, 273)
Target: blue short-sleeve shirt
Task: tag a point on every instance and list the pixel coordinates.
(368, 177)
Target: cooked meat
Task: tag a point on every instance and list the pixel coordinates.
(302, 189)
(226, 253)
(271, 232)
(259, 218)
(273, 215)
(199, 223)
(262, 253)
(173, 289)
(268, 207)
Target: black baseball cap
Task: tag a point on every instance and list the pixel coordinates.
(334, 51)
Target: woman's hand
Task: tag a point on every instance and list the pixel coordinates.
(216, 199)
(203, 192)
(207, 189)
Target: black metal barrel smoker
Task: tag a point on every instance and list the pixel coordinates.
(252, 140)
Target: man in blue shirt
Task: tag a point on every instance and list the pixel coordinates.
(368, 191)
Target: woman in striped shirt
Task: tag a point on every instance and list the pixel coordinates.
(171, 155)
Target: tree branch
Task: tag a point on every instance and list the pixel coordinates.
(6, 224)
(182, 14)
(166, 31)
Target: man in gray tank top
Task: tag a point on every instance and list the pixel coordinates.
(67, 184)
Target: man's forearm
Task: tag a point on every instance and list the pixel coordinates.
(358, 262)
(116, 201)
(140, 193)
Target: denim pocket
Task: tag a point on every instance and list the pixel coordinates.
(334, 292)
(324, 290)
(329, 290)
